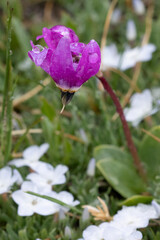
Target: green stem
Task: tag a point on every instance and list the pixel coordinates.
(6, 117)
(55, 201)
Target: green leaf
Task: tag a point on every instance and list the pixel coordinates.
(134, 200)
(118, 169)
(47, 109)
(150, 153)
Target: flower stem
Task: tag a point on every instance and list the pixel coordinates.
(127, 133)
(6, 117)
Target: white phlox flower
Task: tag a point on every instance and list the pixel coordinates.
(46, 175)
(29, 204)
(131, 32)
(7, 178)
(156, 207)
(30, 155)
(139, 7)
(141, 106)
(65, 197)
(107, 232)
(131, 218)
(128, 59)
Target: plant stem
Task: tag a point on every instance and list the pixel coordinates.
(127, 133)
(55, 201)
(6, 117)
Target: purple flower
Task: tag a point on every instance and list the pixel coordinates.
(69, 62)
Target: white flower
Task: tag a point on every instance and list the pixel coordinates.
(139, 7)
(131, 32)
(110, 57)
(116, 16)
(91, 167)
(65, 197)
(30, 155)
(29, 204)
(46, 175)
(7, 178)
(156, 207)
(128, 59)
(138, 54)
(131, 218)
(107, 232)
(141, 106)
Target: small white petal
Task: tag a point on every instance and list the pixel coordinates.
(156, 207)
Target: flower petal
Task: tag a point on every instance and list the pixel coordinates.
(41, 57)
(53, 35)
(62, 70)
(89, 63)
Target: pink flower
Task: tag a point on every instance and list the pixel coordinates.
(69, 62)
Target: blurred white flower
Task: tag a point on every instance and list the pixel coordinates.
(7, 178)
(128, 59)
(139, 7)
(131, 218)
(91, 167)
(25, 64)
(116, 16)
(141, 106)
(61, 214)
(30, 155)
(131, 32)
(138, 54)
(110, 57)
(46, 175)
(156, 207)
(29, 204)
(107, 232)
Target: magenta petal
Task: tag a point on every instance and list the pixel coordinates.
(62, 70)
(77, 48)
(53, 35)
(89, 63)
(41, 57)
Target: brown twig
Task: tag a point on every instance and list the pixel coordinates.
(31, 93)
(151, 135)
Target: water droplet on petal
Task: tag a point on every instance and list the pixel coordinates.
(37, 49)
(93, 58)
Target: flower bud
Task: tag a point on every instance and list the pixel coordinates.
(116, 16)
(139, 7)
(91, 167)
(85, 215)
(67, 232)
(131, 32)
